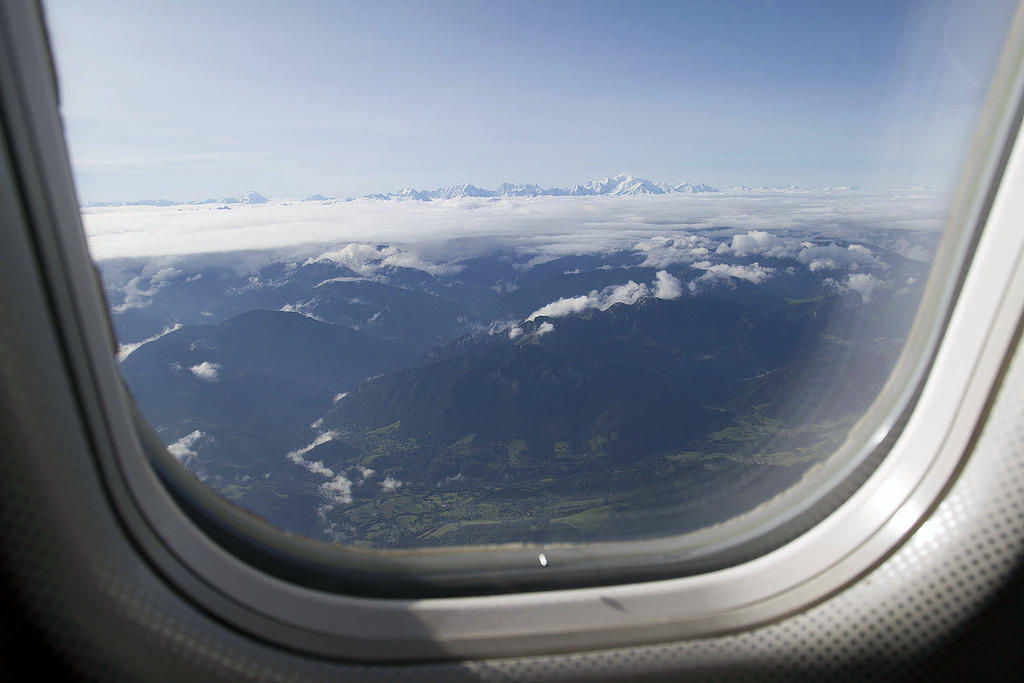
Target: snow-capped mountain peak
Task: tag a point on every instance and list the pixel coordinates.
(623, 184)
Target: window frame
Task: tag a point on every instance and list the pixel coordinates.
(878, 497)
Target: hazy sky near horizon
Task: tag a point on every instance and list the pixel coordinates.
(189, 100)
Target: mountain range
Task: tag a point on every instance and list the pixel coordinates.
(386, 401)
(623, 184)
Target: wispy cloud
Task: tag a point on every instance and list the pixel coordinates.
(182, 449)
(125, 350)
(297, 456)
(337, 491)
(390, 484)
(864, 284)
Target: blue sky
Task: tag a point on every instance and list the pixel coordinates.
(191, 100)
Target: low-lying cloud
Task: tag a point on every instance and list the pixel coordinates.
(367, 259)
(125, 350)
(665, 286)
(864, 284)
(337, 491)
(545, 327)
(298, 454)
(206, 371)
(753, 272)
(182, 449)
(835, 257)
(756, 242)
(390, 484)
(661, 251)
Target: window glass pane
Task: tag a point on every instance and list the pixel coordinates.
(517, 346)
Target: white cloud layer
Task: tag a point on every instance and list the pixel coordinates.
(552, 225)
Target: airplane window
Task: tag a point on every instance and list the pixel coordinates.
(378, 277)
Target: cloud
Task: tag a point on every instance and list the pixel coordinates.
(545, 328)
(318, 467)
(757, 242)
(661, 251)
(164, 274)
(567, 306)
(205, 371)
(543, 227)
(303, 308)
(515, 332)
(125, 350)
(628, 293)
(864, 284)
(390, 484)
(753, 272)
(337, 491)
(135, 296)
(182, 448)
(816, 257)
(296, 456)
(667, 286)
(835, 257)
(365, 472)
(368, 259)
